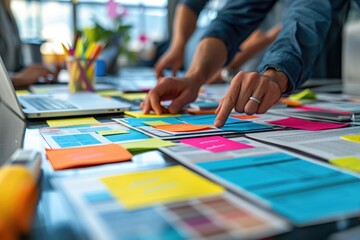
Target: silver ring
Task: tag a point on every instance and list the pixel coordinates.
(255, 99)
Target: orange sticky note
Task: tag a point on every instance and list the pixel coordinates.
(87, 156)
(185, 127)
(245, 117)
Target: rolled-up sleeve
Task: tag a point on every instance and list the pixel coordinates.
(236, 21)
(305, 27)
(195, 5)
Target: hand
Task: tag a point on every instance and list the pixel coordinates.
(267, 88)
(180, 90)
(32, 74)
(173, 58)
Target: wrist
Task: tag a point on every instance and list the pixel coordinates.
(278, 77)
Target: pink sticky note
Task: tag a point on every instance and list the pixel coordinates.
(215, 144)
(306, 124)
(319, 109)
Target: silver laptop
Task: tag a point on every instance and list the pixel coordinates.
(56, 105)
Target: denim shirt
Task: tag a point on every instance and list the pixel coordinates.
(295, 50)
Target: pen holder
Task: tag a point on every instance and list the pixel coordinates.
(81, 74)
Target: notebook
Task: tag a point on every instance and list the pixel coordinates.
(58, 104)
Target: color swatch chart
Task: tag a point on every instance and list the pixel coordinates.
(280, 179)
(215, 217)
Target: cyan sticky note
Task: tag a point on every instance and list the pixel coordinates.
(137, 122)
(75, 140)
(319, 203)
(207, 119)
(242, 162)
(132, 135)
(245, 127)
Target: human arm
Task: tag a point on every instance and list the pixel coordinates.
(292, 55)
(209, 57)
(255, 43)
(183, 27)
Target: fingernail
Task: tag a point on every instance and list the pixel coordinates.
(217, 123)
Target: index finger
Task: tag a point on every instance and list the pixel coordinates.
(228, 103)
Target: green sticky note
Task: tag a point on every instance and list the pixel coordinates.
(112, 132)
(148, 144)
(305, 94)
(155, 123)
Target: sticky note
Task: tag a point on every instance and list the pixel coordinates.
(75, 140)
(110, 93)
(245, 127)
(155, 123)
(215, 144)
(184, 127)
(351, 162)
(145, 145)
(245, 117)
(111, 132)
(206, 119)
(140, 189)
(305, 94)
(353, 138)
(140, 114)
(134, 96)
(87, 156)
(131, 135)
(136, 122)
(306, 124)
(71, 122)
(22, 92)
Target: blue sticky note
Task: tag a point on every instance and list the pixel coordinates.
(75, 140)
(132, 135)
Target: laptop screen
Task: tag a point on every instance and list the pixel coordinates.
(7, 92)
(11, 131)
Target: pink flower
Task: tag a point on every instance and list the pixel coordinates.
(143, 38)
(112, 9)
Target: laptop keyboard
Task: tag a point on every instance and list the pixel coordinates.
(54, 104)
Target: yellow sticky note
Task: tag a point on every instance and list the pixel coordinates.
(353, 138)
(152, 143)
(140, 114)
(112, 132)
(155, 123)
(134, 96)
(22, 92)
(71, 122)
(351, 162)
(110, 93)
(139, 189)
(305, 94)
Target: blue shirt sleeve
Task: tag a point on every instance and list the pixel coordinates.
(305, 27)
(236, 21)
(195, 5)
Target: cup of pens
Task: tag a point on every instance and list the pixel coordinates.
(81, 74)
(80, 62)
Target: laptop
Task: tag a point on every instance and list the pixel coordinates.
(58, 104)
